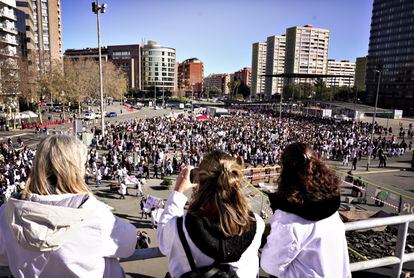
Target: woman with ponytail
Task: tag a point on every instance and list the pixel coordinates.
(219, 226)
(307, 237)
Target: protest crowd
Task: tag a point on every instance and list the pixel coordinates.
(133, 151)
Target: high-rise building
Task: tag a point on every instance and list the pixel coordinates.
(244, 75)
(126, 57)
(8, 30)
(190, 76)
(25, 27)
(341, 68)
(391, 49)
(8, 53)
(48, 31)
(159, 69)
(259, 51)
(275, 64)
(217, 83)
(306, 50)
(360, 73)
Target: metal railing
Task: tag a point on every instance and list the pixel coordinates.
(402, 221)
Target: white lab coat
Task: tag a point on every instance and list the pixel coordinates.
(170, 244)
(51, 236)
(297, 247)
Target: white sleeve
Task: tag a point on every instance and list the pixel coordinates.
(119, 238)
(281, 248)
(167, 225)
(3, 255)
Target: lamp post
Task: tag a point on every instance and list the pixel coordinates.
(155, 97)
(379, 70)
(98, 9)
(192, 99)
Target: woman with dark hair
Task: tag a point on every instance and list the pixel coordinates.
(307, 237)
(219, 226)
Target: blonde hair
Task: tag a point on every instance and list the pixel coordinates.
(220, 193)
(59, 167)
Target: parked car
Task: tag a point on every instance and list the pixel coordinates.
(57, 109)
(89, 116)
(111, 114)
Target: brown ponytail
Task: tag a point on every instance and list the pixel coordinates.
(220, 185)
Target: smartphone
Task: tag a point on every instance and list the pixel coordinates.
(194, 175)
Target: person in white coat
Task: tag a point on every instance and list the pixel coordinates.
(307, 237)
(56, 227)
(218, 226)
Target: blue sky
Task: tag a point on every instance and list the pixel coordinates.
(219, 32)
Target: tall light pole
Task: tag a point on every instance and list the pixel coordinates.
(98, 9)
(155, 97)
(192, 98)
(379, 70)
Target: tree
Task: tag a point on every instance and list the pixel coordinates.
(322, 92)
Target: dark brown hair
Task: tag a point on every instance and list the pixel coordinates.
(220, 194)
(304, 177)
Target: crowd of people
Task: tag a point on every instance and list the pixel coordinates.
(218, 210)
(158, 147)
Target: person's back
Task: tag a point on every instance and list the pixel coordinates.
(218, 207)
(56, 227)
(307, 237)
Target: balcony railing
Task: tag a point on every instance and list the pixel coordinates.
(402, 221)
(8, 14)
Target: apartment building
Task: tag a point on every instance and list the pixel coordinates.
(190, 76)
(275, 64)
(307, 50)
(244, 75)
(217, 83)
(340, 68)
(259, 51)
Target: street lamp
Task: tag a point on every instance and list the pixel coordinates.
(379, 70)
(155, 97)
(98, 9)
(192, 98)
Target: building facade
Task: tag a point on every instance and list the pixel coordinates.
(306, 50)
(391, 49)
(126, 57)
(25, 18)
(360, 73)
(190, 76)
(217, 83)
(159, 69)
(47, 21)
(275, 64)
(244, 75)
(343, 67)
(8, 31)
(259, 51)
(8, 55)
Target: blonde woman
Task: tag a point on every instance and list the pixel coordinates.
(56, 227)
(219, 227)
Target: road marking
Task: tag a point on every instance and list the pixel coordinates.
(376, 172)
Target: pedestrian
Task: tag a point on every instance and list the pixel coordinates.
(354, 163)
(122, 190)
(305, 224)
(142, 205)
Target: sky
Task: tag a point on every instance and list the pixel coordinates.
(218, 32)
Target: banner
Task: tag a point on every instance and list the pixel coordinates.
(153, 202)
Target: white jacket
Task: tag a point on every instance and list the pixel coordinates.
(64, 235)
(170, 244)
(297, 247)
